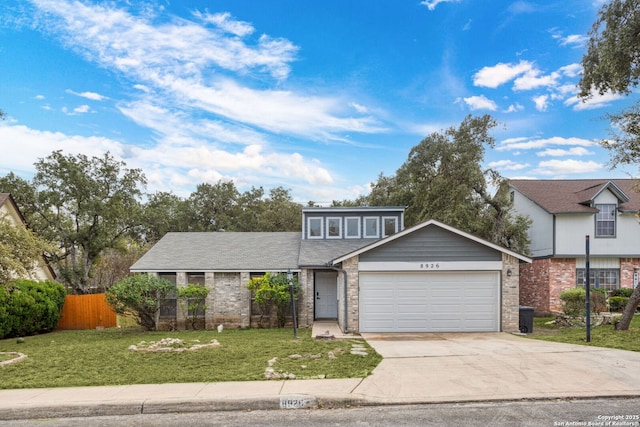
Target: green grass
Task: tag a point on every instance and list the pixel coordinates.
(601, 336)
(101, 357)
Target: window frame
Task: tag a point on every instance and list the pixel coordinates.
(599, 220)
(328, 227)
(595, 272)
(377, 222)
(357, 224)
(309, 228)
(384, 225)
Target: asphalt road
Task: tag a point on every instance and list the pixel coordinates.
(557, 413)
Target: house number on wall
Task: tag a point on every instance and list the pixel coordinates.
(429, 266)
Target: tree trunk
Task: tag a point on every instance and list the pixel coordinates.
(629, 310)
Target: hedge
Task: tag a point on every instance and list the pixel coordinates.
(28, 307)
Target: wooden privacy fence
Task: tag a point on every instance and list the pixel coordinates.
(87, 312)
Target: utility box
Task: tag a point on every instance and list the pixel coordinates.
(526, 319)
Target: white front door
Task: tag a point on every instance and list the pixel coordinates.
(326, 295)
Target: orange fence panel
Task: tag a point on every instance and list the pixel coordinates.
(87, 312)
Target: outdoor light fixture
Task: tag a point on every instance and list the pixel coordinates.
(509, 272)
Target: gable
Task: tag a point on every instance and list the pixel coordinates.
(431, 243)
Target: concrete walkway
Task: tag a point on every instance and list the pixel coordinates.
(417, 368)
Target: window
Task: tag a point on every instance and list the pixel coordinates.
(169, 304)
(606, 221)
(353, 228)
(390, 226)
(314, 226)
(607, 278)
(334, 228)
(371, 227)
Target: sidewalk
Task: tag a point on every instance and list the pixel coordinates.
(434, 368)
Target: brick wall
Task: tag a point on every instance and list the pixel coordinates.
(351, 267)
(627, 267)
(534, 289)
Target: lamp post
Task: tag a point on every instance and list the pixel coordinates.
(587, 286)
(293, 304)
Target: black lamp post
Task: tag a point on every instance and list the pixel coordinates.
(293, 304)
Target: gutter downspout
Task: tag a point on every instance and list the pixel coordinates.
(346, 312)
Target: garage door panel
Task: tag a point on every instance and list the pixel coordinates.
(429, 302)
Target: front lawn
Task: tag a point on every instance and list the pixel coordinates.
(601, 336)
(102, 357)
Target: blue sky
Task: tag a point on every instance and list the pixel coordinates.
(317, 96)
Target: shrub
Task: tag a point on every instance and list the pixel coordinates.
(28, 307)
(139, 296)
(272, 290)
(621, 292)
(617, 303)
(574, 301)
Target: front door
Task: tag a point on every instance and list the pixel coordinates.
(326, 284)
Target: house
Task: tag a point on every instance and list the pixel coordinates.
(563, 213)
(9, 210)
(359, 266)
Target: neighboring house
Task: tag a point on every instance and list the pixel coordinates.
(9, 210)
(358, 266)
(563, 213)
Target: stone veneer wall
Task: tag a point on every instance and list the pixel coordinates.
(305, 306)
(231, 300)
(510, 317)
(351, 267)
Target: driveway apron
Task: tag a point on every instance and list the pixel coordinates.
(446, 367)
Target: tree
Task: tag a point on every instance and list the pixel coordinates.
(140, 296)
(214, 207)
(272, 291)
(442, 179)
(612, 64)
(164, 212)
(192, 301)
(85, 205)
(21, 252)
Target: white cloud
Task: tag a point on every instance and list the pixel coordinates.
(569, 166)
(39, 97)
(89, 95)
(571, 70)
(507, 165)
(514, 108)
(523, 143)
(480, 103)
(501, 73)
(596, 101)
(359, 108)
(225, 22)
(575, 40)
(541, 102)
(533, 80)
(559, 152)
(81, 109)
(431, 4)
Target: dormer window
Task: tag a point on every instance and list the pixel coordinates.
(606, 221)
(352, 225)
(334, 228)
(390, 226)
(371, 227)
(314, 228)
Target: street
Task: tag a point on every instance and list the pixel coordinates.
(556, 413)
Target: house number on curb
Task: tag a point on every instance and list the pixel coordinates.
(296, 402)
(429, 266)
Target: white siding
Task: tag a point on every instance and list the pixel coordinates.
(572, 229)
(541, 230)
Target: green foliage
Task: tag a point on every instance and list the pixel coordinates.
(28, 307)
(21, 252)
(617, 303)
(575, 301)
(443, 179)
(272, 291)
(139, 296)
(621, 292)
(191, 299)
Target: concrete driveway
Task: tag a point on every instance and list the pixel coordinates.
(494, 366)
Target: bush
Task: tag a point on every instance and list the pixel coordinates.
(139, 296)
(272, 290)
(192, 298)
(28, 307)
(617, 303)
(621, 292)
(574, 301)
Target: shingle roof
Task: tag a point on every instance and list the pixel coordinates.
(320, 252)
(208, 251)
(574, 195)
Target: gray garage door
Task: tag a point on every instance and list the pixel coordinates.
(430, 302)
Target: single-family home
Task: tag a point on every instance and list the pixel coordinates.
(10, 211)
(357, 265)
(563, 214)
